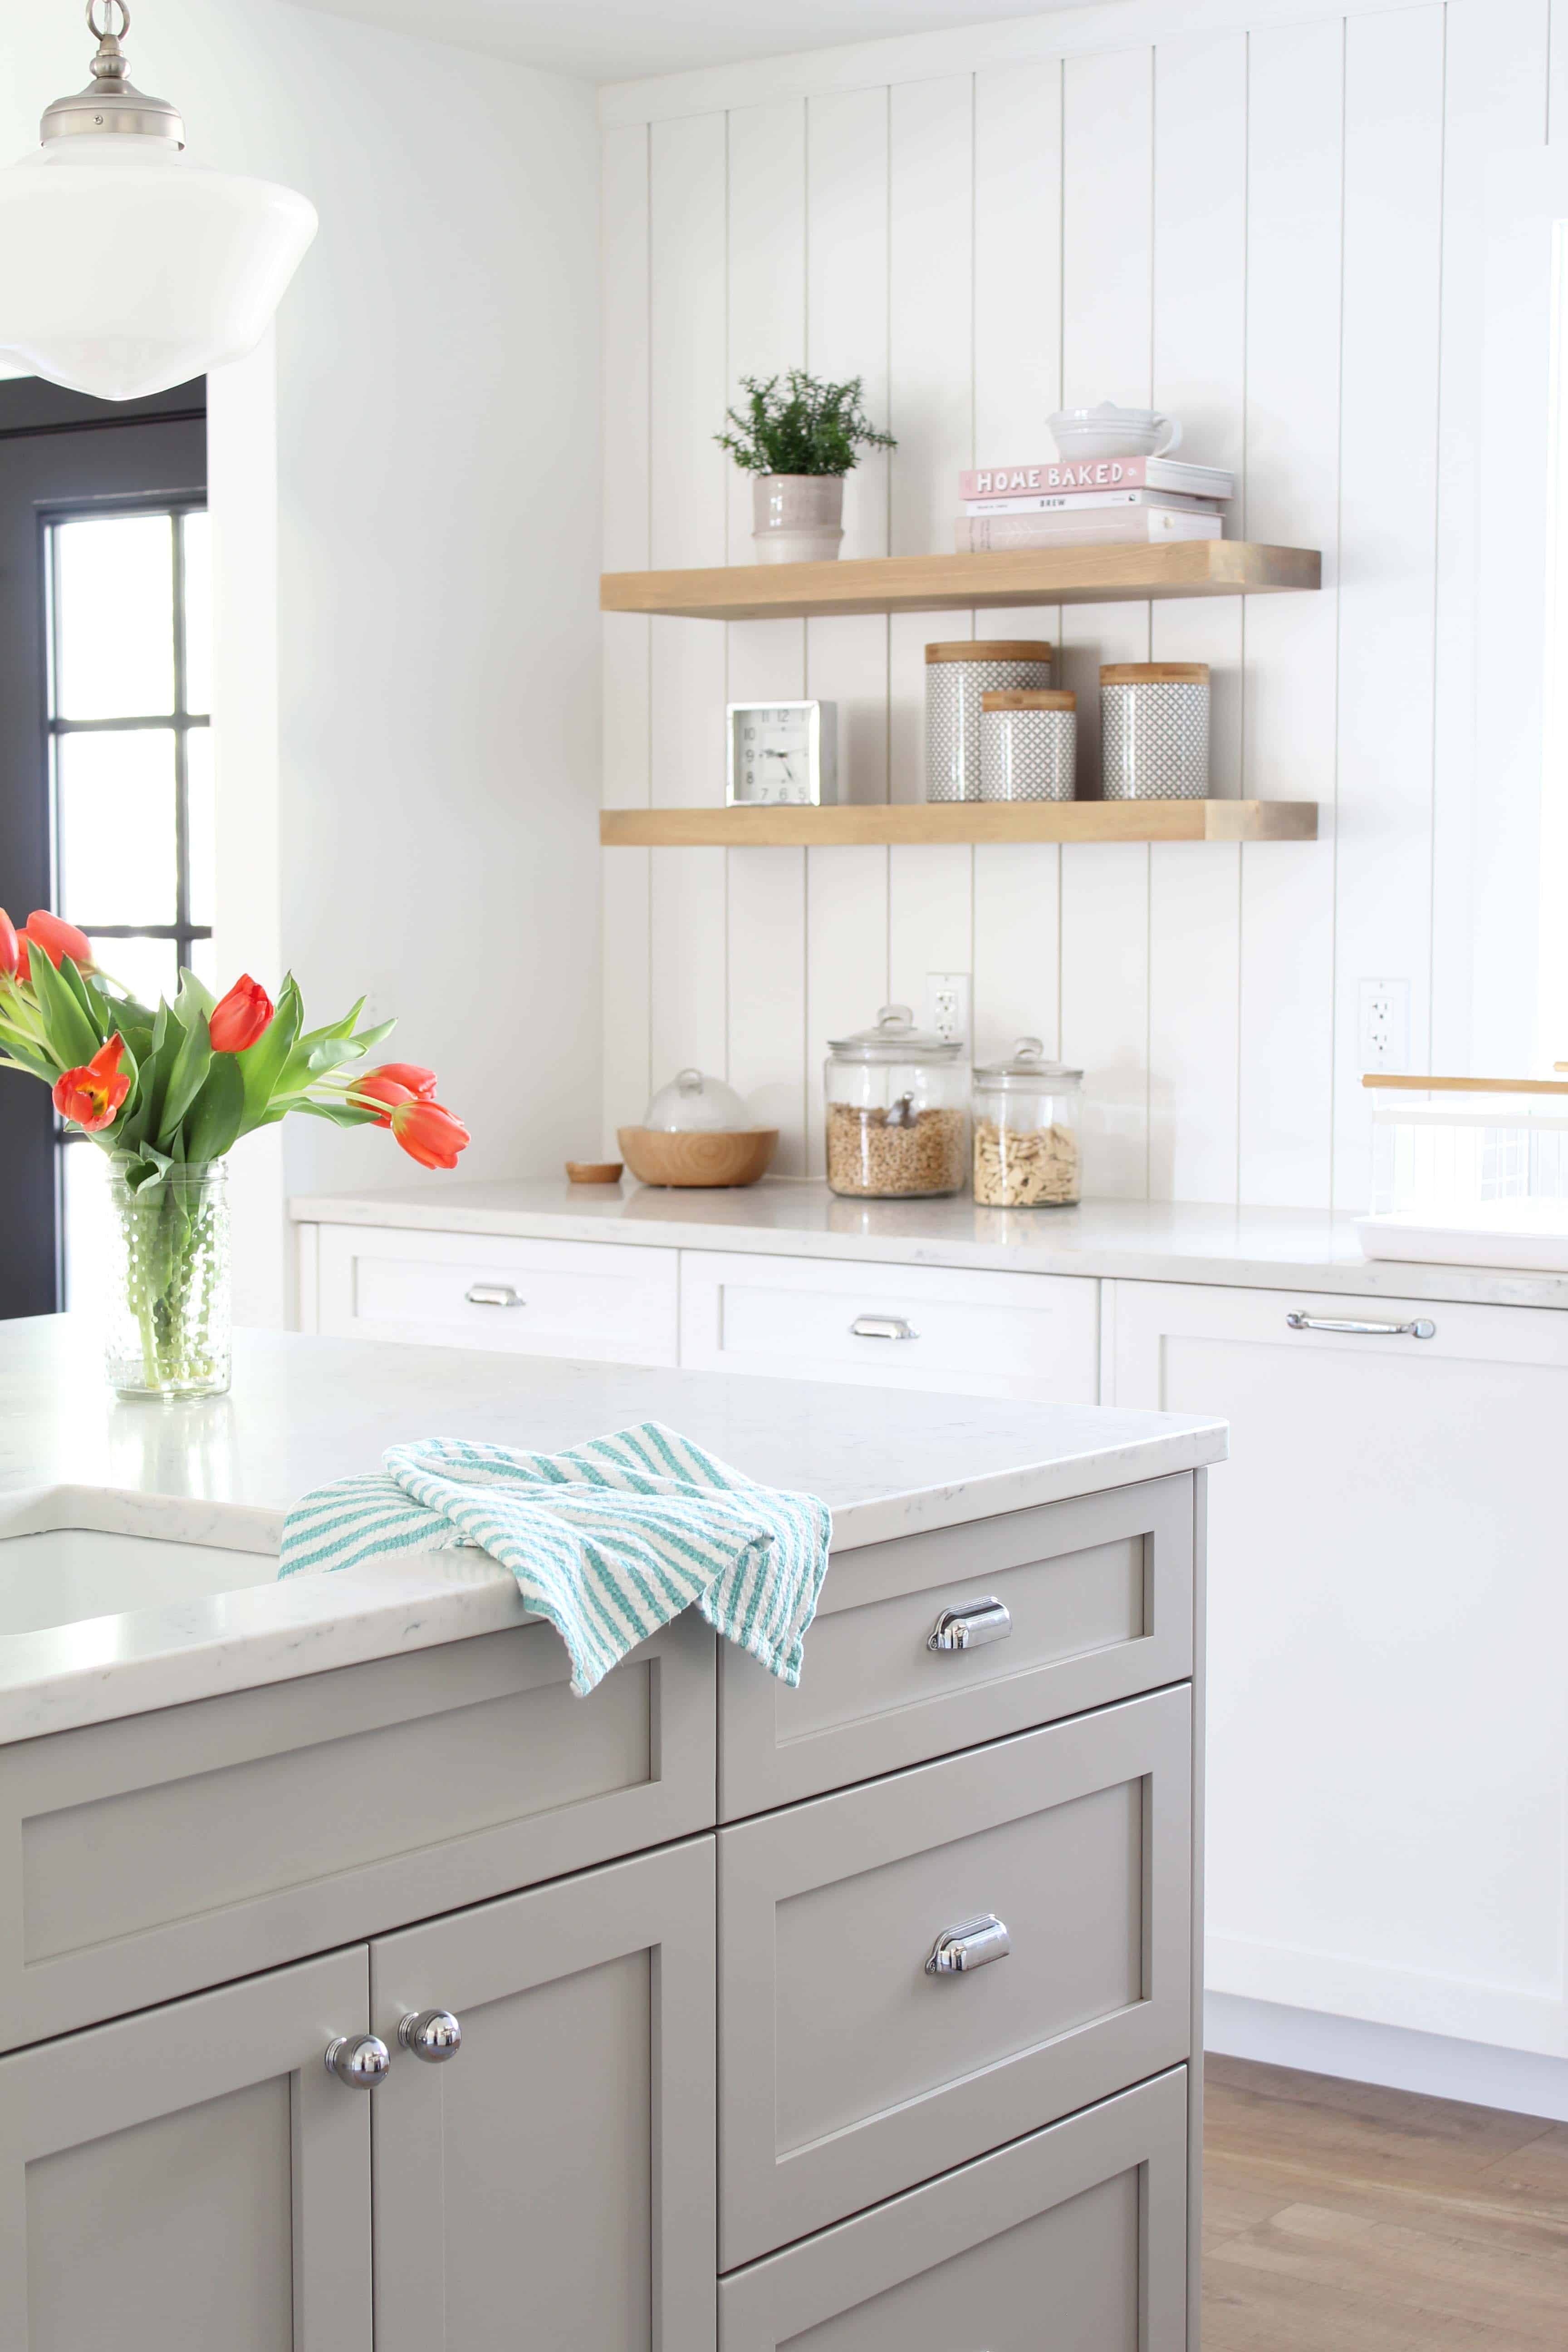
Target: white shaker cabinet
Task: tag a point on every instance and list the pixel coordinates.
(1388, 1615)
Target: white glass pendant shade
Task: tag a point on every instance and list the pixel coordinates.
(125, 268)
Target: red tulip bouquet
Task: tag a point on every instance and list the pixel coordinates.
(166, 1093)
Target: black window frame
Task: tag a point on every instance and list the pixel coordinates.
(183, 932)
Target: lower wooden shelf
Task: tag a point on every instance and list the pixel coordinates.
(821, 828)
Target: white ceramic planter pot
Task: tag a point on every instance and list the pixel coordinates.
(797, 518)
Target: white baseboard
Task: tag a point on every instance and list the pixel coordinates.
(1475, 2071)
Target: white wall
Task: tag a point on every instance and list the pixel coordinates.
(437, 536)
(1250, 221)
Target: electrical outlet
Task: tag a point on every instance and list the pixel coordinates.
(1386, 1024)
(947, 1005)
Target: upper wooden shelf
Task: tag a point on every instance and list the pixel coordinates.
(958, 821)
(950, 584)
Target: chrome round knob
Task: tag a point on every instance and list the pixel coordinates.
(359, 2060)
(432, 2034)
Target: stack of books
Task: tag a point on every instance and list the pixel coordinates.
(1088, 502)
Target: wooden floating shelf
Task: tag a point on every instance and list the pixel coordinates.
(963, 821)
(1117, 574)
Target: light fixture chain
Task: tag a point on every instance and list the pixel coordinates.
(110, 31)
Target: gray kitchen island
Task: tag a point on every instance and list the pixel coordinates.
(362, 1982)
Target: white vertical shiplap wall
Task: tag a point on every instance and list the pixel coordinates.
(1271, 231)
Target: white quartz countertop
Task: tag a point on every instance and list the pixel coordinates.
(304, 1411)
(1135, 1241)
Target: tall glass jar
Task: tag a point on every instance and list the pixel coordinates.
(896, 1117)
(169, 1333)
(1027, 1119)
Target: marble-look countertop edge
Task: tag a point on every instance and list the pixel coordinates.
(65, 1677)
(1094, 1261)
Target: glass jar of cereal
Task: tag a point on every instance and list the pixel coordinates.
(897, 1118)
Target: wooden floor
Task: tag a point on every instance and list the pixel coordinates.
(1343, 2218)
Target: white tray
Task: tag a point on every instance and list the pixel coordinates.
(1530, 1236)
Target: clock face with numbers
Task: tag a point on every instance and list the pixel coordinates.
(782, 754)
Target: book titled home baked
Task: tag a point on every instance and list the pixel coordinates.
(1097, 474)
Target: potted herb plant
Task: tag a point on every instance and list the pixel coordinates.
(798, 438)
(165, 1092)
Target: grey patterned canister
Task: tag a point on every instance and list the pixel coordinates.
(1028, 745)
(1154, 730)
(956, 677)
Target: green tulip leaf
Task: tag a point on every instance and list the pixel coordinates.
(188, 1070)
(216, 1113)
(66, 1025)
(337, 1114)
(195, 997)
(262, 1064)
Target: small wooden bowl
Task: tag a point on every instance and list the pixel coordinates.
(593, 1171)
(702, 1158)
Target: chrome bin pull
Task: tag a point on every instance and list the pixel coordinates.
(972, 1626)
(973, 1943)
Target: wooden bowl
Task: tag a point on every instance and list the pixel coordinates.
(704, 1159)
(593, 1171)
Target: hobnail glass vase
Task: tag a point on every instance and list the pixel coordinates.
(169, 1333)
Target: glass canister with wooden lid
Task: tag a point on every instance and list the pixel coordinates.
(1027, 1113)
(957, 676)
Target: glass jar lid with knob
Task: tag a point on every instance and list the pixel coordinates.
(1027, 1112)
(693, 1103)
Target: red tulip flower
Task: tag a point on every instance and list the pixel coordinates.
(10, 947)
(239, 1019)
(57, 939)
(90, 1097)
(429, 1134)
(419, 1081)
(380, 1087)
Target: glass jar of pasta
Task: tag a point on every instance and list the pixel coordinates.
(1027, 1114)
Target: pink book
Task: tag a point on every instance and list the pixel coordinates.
(1095, 474)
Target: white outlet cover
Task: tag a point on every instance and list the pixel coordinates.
(947, 1005)
(1384, 1034)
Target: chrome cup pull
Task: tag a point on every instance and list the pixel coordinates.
(1422, 1329)
(882, 1326)
(359, 2060)
(494, 1293)
(973, 1943)
(433, 2035)
(972, 1626)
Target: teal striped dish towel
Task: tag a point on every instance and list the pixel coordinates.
(608, 1540)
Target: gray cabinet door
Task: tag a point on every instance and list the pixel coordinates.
(193, 2177)
(1074, 2238)
(552, 2184)
(847, 2071)
(1098, 1592)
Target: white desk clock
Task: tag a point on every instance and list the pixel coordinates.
(782, 752)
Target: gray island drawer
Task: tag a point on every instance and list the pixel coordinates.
(1098, 1595)
(847, 2071)
(145, 1858)
(1074, 2238)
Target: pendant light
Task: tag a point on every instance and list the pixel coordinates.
(125, 266)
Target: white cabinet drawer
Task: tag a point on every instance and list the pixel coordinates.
(1086, 2220)
(847, 2071)
(585, 1299)
(1029, 1336)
